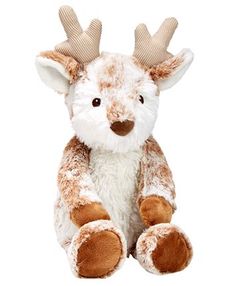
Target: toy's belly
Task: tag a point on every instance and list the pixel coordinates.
(115, 179)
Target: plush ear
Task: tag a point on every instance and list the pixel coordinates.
(169, 72)
(57, 70)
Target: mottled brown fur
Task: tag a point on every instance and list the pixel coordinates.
(165, 69)
(110, 70)
(99, 255)
(104, 85)
(112, 75)
(118, 112)
(75, 163)
(70, 64)
(154, 170)
(152, 146)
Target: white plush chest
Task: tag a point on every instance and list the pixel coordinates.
(115, 179)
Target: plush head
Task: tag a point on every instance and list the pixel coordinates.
(112, 99)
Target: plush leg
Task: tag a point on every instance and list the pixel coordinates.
(163, 248)
(97, 250)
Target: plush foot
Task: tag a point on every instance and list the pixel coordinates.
(97, 250)
(155, 210)
(163, 248)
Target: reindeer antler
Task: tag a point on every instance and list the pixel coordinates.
(152, 50)
(83, 46)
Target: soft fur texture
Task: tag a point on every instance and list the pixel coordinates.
(119, 83)
(154, 210)
(155, 175)
(74, 165)
(53, 73)
(89, 212)
(94, 256)
(172, 69)
(84, 234)
(152, 238)
(114, 180)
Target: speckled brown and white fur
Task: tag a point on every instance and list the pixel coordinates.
(100, 166)
(114, 162)
(118, 82)
(148, 241)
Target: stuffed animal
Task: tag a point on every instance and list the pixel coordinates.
(116, 193)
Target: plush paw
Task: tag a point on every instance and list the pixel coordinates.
(154, 210)
(163, 248)
(87, 213)
(97, 250)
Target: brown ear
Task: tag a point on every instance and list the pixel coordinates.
(169, 72)
(57, 70)
(69, 63)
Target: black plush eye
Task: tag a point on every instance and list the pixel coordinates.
(96, 102)
(141, 99)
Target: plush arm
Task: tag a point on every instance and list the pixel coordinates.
(156, 187)
(76, 186)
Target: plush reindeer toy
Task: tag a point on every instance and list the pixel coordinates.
(116, 193)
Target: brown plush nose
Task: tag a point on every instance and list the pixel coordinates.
(122, 128)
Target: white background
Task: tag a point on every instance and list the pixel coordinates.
(195, 129)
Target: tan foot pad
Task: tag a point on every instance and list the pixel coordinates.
(99, 255)
(164, 248)
(98, 250)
